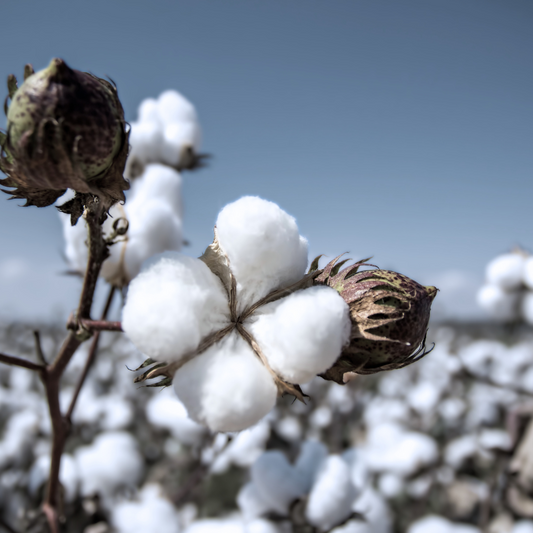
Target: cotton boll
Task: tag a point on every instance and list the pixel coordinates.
(331, 498)
(151, 514)
(260, 525)
(376, 512)
(523, 526)
(230, 524)
(506, 271)
(390, 485)
(148, 111)
(289, 428)
(166, 411)
(527, 307)
(174, 107)
(264, 247)
(437, 524)
(302, 334)
(176, 138)
(278, 483)
(18, 436)
(251, 502)
(172, 305)
(312, 455)
(528, 272)
(459, 450)
(226, 388)
(117, 412)
(110, 462)
(145, 139)
(502, 305)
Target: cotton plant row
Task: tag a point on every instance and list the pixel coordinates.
(507, 295)
(233, 330)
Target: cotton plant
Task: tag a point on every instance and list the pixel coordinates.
(507, 294)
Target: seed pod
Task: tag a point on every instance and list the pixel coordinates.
(389, 313)
(65, 129)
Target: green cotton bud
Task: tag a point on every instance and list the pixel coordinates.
(65, 129)
(389, 313)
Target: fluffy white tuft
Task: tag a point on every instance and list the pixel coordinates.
(172, 305)
(263, 245)
(500, 304)
(226, 388)
(332, 496)
(302, 334)
(506, 271)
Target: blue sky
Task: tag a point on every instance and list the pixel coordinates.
(401, 130)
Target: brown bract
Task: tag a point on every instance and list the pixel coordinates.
(66, 130)
(389, 313)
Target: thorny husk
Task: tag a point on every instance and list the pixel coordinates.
(389, 313)
(65, 129)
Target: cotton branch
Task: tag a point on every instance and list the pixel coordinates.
(17, 361)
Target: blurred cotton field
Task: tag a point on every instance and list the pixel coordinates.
(442, 445)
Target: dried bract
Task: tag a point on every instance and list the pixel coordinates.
(389, 314)
(65, 129)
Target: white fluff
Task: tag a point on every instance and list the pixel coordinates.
(251, 503)
(528, 272)
(312, 455)
(438, 524)
(303, 334)
(523, 526)
(152, 513)
(499, 303)
(226, 388)
(68, 475)
(277, 482)
(506, 271)
(166, 411)
(527, 307)
(332, 496)
(172, 305)
(110, 462)
(264, 247)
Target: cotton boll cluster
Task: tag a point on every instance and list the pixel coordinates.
(507, 295)
(154, 214)
(166, 131)
(178, 305)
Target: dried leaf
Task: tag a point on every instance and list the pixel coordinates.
(12, 86)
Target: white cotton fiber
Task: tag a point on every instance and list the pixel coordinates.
(312, 455)
(438, 524)
(260, 525)
(506, 271)
(528, 272)
(176, 139)
(172, 305)
(110, 462)
(166, 411)
(303, 334)
(145, 140)
(264, 247)
(251, 502)
(152, 513)
(229, 524)
(226, 388)
(527, 307)
(523, 526)
(148, 110)
(502, 305)
(175, 108)
(68, 475)
(332, 496)
(277, 482)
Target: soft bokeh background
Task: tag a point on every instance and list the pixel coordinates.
(401, 130)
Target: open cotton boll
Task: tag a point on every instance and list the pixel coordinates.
(110, 462)
(506, 271)
(263, 245)
(148, 111)
(376, 515)
(177, 137)
(166, 411)
(172, 305)
(502, 305)
(174, 107)
(332, 496)
(226, 388)
(230, 524)
(251, 502)
(145, 140)
(438, 524)
(260, 525)
(278, 483)
(152, 513)
(302, 334)
(312, 454)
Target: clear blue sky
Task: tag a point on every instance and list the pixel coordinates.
(399, 129)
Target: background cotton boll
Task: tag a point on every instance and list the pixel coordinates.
(172, 304)
(226, 388)
(152, 513)
(176, 138)
(332, 495)
(438, 524)
(110, 462)
(502, 305)
(145, 139)
(251, 502)
(312, 454)
(302, 335)
(68, 475)
(523, 526)
(174, 107)
(260, 525)
(277, 481)
(506, 271)
(263, 245)
(527, 307)
(148, 111)
(166, 411)
(528, 272)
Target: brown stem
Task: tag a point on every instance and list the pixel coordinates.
(91, 357)
(100, 325)
(52, 376)
(17, 361)
(39, 348)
